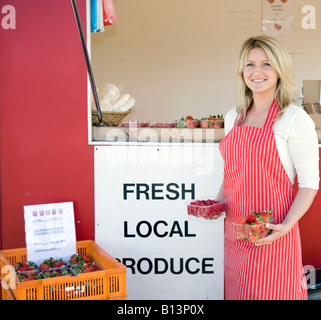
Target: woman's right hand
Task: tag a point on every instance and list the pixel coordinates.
(216, 216)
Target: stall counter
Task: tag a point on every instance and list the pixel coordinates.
(107, 135)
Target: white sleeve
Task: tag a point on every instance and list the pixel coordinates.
(304, 150)
(229, 120)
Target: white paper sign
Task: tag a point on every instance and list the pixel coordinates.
(277, 17)
(141, 219)
(50, 230)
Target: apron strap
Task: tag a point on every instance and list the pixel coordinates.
(274, 109)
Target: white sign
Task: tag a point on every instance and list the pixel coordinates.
(141, 219)
(277, 17)
(50, 230)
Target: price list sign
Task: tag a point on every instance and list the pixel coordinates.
(50, 230)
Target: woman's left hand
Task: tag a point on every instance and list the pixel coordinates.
(278, 231)
(300, 205)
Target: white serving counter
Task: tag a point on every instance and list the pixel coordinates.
(119, 135)
(156, 135)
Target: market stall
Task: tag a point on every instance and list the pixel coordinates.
(132, 180)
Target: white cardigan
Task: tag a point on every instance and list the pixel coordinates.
(297, 144)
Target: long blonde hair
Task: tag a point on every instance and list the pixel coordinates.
(280, 60)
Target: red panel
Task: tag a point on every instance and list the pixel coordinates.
(45, 155)
(310, 227)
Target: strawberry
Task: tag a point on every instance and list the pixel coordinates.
(20, 269)
(265, 216)
(247, 230)
(205, 124)
(94, 267)
(75, 259)
(251, 218)
(86, 258)
(241, 220)
(257, 227)
(44, 266)
(56, 265)
(190, 124)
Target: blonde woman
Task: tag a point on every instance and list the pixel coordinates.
(269, 141)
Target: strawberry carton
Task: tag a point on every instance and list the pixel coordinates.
(29, 275)
(212, 121)
(206, 207)
(134, 124)
(253, 227)
(25, 266)
(188, 122)
(84, 268)
(162, 124)
(57, 272)
(80, 259)
(52, 263)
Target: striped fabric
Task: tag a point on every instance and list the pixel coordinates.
(254, 179)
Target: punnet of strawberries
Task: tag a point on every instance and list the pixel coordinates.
(25, 266)
(63, 271)
(253, 227)
(206, 207)
(52, 263)
(29, 275)
(86, 267)
(79, 259)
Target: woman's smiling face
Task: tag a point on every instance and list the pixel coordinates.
(258, 74)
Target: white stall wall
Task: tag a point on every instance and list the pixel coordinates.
(177, 57)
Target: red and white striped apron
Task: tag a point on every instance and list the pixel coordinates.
(254, 179)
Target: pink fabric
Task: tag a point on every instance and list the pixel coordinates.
(110, 16)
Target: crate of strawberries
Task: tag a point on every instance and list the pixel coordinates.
(253, 227)
(91, 273)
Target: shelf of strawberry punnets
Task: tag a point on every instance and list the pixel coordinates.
(253, 226)
(185, 130)
(206, 207)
